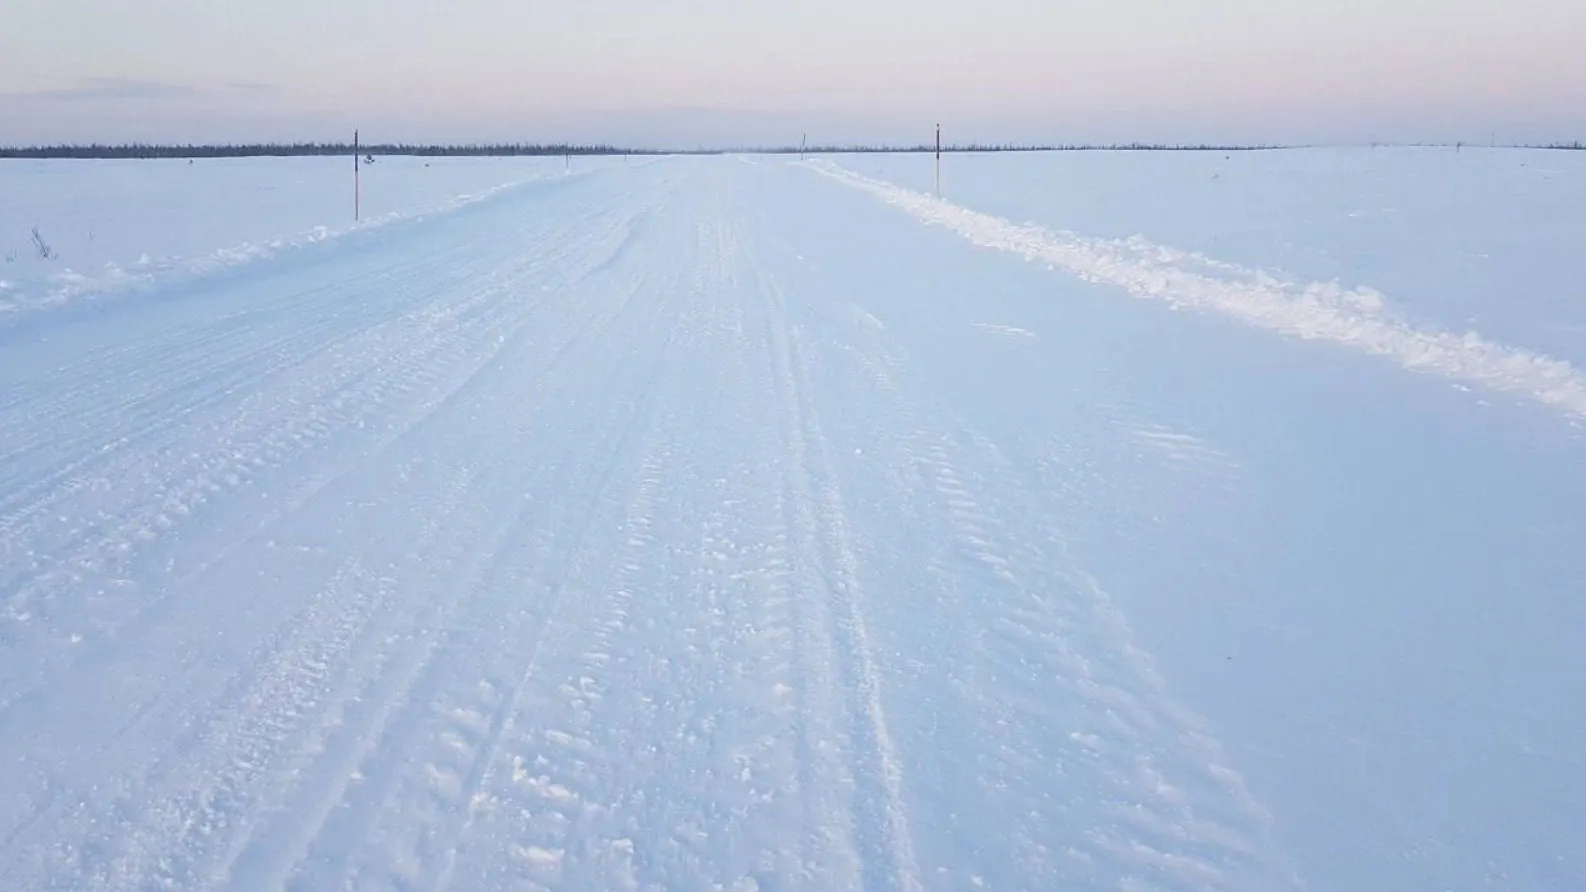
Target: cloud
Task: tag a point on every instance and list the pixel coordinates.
(111, 89)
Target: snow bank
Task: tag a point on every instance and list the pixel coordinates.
(1357, 318)
(119, 226)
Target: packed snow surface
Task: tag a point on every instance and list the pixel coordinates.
(1108, 521)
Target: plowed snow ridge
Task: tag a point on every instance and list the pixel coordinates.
(1355, 318)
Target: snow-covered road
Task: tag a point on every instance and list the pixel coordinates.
(707, 524)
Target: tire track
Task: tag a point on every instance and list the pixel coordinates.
(650, 753)
(308, 674)
(871, 832)
(1054, 695)
(345, 391)
(264, 858)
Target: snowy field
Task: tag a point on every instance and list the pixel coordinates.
(119, 226)
(1115, 521)
(1477, 238)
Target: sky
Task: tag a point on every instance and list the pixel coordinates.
(687, 73)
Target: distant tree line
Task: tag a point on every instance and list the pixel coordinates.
(962, 148)
(252, 150)
(1569, 146)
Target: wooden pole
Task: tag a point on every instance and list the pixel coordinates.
(357, 190)
(938, 160)
(803, 141)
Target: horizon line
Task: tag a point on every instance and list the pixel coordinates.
(155, 150)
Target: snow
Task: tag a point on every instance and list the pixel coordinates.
(1460, 238)
(1317, 310)
(748, 524)
(114, 225)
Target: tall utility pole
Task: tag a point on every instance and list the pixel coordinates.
(357, 191)
(938, 160)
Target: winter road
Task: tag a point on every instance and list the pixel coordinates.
(632, 530)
